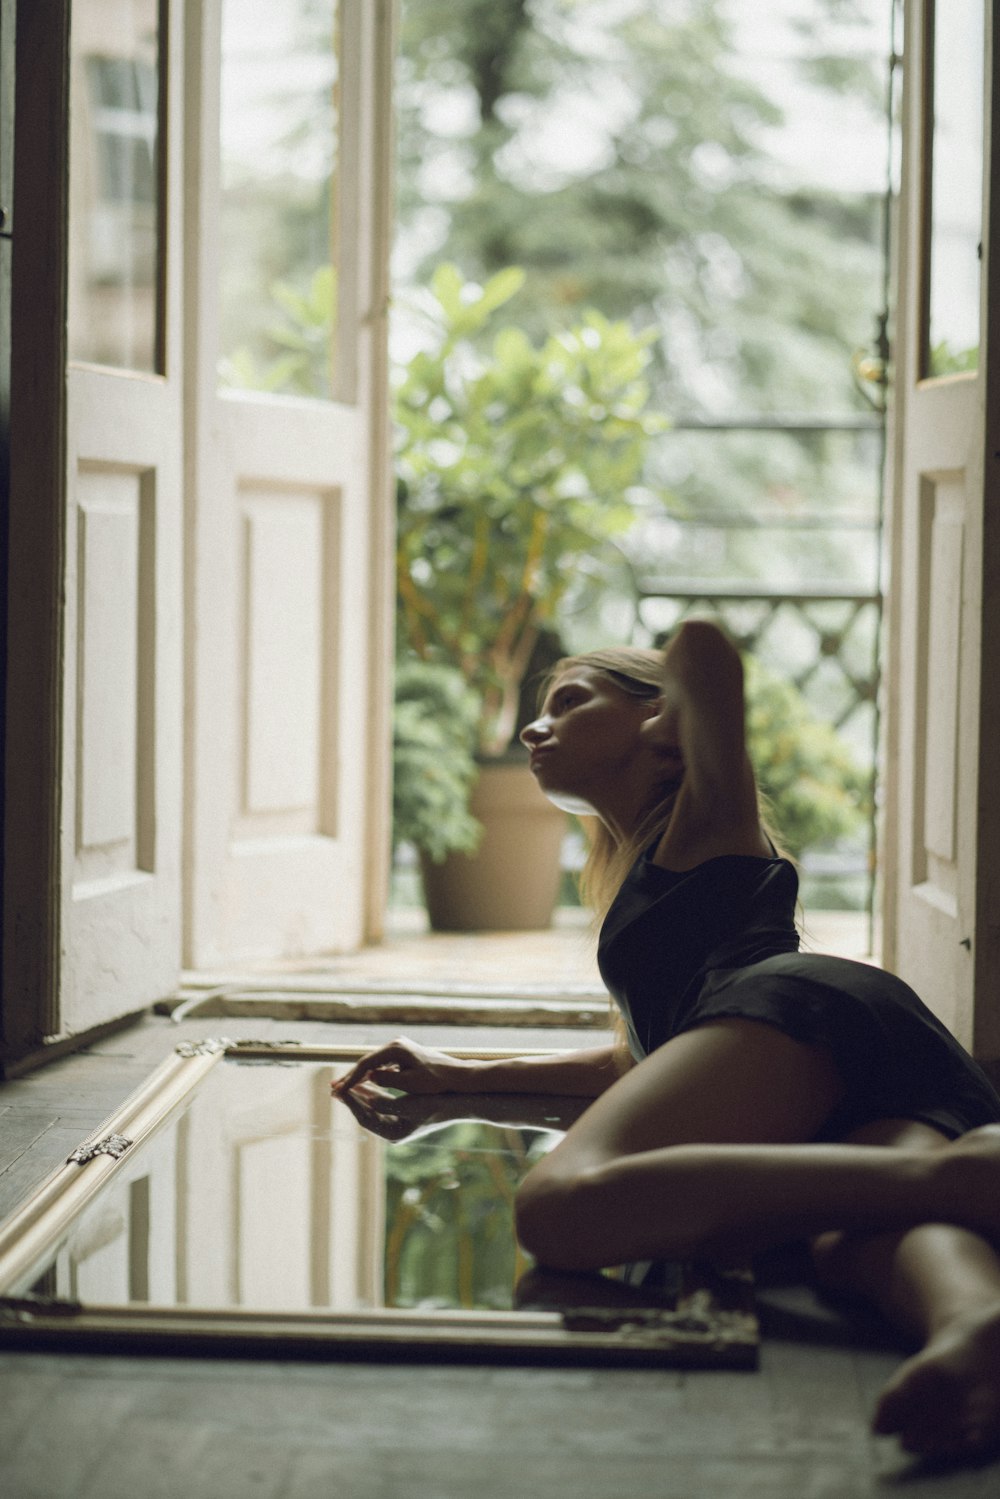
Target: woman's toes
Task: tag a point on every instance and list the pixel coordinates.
(945, 1402)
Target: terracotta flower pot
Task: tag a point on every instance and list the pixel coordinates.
(511, 882)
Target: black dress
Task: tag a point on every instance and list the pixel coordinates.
(679, 949)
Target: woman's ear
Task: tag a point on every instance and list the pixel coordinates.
(661, 727)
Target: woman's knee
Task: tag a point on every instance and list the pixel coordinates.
(554, 1209)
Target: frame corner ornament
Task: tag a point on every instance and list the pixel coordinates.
(211, 1046)
(112, 1145)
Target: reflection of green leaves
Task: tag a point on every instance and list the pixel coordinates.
(450, 1235)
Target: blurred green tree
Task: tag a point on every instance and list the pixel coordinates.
(618, 153)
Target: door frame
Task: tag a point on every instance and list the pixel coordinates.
(36, 537)
(961, 981)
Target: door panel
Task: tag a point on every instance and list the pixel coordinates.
(289, 514)
(941, 848)
(119, 865)
(144, 504)
(121, 697)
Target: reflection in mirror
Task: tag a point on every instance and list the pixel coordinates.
(259, 1196)
(278, 143)
(114, 187)
(268, 1193)
(956, 188)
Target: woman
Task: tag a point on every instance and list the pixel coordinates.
(766, 1095)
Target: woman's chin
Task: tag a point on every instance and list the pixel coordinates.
(567, 801)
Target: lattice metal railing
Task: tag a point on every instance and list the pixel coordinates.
(824, 640)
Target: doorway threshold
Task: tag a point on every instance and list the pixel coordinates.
(545, 979)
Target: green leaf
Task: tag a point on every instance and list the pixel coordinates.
(447, 284)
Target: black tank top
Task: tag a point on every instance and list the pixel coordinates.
(667, 931)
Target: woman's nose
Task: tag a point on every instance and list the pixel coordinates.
(533, 733)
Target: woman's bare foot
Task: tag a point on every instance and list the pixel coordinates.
(945, 1401)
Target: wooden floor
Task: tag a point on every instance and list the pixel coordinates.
(114, 1428)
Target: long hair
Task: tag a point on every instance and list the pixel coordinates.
(638, 672)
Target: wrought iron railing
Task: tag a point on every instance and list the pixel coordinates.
(834, 618)
(824, 638)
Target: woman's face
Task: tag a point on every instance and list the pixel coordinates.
(587, 739)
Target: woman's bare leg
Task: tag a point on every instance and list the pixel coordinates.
(940, 1284)
(648, 1170)
(628, 1182)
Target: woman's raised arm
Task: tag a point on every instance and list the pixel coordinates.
(704, 714)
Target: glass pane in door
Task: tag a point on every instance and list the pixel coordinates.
(115, 255)
(279, 118)
(955, 220)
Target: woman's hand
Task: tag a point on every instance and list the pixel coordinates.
(398, 1116)
(408, 1066)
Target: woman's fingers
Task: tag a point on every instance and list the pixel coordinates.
(385, 1056)
(401, 1064)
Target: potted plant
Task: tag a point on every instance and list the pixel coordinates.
(514, 463)
(434, 766)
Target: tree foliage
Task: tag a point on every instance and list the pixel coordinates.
(815, 788)
(618, 152)
(514, 463)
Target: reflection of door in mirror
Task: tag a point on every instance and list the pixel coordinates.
(267, 1194)
(124, 1248)
(232, 1198)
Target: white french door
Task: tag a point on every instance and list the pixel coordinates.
(942, 816)
(288, 495)
(200, 579)
(120, 849)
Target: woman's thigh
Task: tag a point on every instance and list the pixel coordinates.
(729, 1081)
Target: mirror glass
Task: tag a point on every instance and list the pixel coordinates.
(115, 233)
(278, 246)
(267, 1193)
(956, 189)
(250, 1204)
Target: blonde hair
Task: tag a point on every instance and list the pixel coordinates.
(639, 673)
